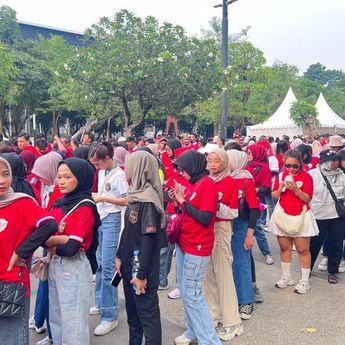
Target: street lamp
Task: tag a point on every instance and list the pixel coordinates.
(225, 40)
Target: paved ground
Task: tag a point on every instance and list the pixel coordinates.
(277, 321)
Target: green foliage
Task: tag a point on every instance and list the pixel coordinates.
(302, 112)
(9, 28)
(319, 73)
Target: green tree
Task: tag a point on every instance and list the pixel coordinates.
(305, 114)
(320, 73)
(9, 28)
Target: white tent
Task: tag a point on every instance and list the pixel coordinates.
(280, 123)
(330, 122)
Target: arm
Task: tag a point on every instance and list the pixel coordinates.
(203, 217)
(38, 237)
(70, 248)
(111, 200)
(60, 145)
(147, 245)
(225, 212)
(253, 217)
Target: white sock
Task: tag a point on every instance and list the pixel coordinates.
(305, 273)
(286, 269)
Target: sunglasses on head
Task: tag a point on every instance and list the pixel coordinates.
(295, 166)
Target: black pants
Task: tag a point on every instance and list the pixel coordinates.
(143, 315)
(334, 229)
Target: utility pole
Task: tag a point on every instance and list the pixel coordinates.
(225, 51)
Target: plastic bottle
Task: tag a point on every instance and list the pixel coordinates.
(135, 267)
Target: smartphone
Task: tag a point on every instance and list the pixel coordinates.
(115, 281)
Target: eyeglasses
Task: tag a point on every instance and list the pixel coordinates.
(295, 166)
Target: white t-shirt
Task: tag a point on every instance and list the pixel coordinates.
(112, 184)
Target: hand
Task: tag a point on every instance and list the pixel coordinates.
(179, 194)
(15, 260)
(118, 265)
(281, 186)
(82, 248)
(140, 285)
(52, 250)
(97, 198)
(291, 186)
(248, 242)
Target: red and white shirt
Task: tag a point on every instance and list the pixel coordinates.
(196, 239)
(17, 222)
(289, 201)
(78, 225)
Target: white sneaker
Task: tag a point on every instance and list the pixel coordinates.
(94, 311)
(45, 341)
(228, 333)
(174, 294)
(302, 287)
(32, 325)
(269, 260)
(284, 282)
(323, 265)
(341, 268)
(183, 340)
(105, 327)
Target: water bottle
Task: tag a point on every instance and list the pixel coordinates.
(135, 267)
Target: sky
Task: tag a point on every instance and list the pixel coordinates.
(298, 32)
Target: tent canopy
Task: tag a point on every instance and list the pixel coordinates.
(281, 123)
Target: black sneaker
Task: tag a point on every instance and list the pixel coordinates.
(246, 311)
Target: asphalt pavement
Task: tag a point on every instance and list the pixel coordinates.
(282, 319)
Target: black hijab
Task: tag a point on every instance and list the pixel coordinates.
(81, 152)
(305, 150)
(193, 163)
(174, 144)
(83, 172)
(19, 183)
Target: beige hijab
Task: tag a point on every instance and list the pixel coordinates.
(238, 160)
(145, 185)
(11, 196)
(225, 162)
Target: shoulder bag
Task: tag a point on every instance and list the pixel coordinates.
(339, 203)
(12, 298)
(174, 227)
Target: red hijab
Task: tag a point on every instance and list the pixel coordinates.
(267, 146)
(259, 154)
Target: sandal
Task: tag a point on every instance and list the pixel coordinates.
(332, 279)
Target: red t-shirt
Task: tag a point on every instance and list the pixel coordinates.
(78, 225)
(17, 222)
(36, 186)
(280, 159)
(289, 201)
(195, 146)
(32, 149)
(247, 186)
(196, 239)
(263, 178)
(227, 193)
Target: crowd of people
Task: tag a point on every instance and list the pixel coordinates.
(105, 211)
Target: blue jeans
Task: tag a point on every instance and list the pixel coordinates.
(15, 330)
(190, 272)
(106, 296)
(271, 203)
(70, 282)
(41, 313)
(260, 236)
(165, 264)
(241, 266)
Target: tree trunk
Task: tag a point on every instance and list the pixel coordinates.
(311, 123)
(108, 128)
(2, 116)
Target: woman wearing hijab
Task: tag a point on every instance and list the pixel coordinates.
(258, 167)
(69, 271)
(23, 228)
(44, 183)
(19, 182)
(243, 231)
(323, 208)
(120, 154)
(29, 160)
(219, 287)
(144, 219)
(195, 245)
